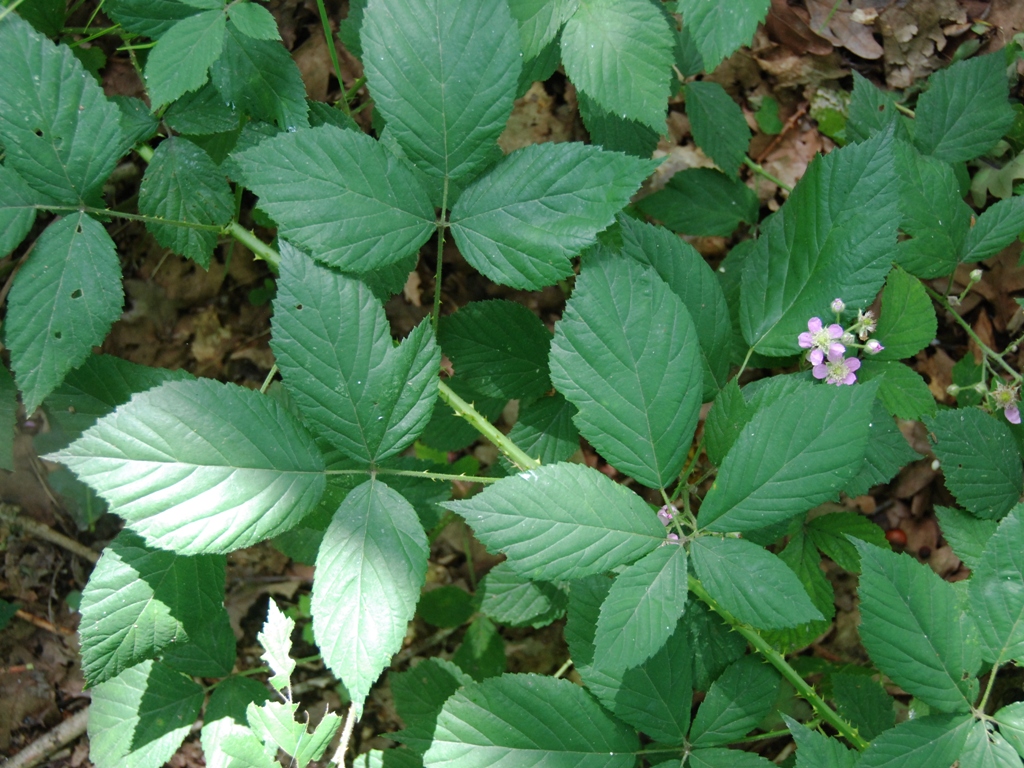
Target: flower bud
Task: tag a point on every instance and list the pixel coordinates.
(975, 275)
(873, 346)
(848, 338)
(838, 306)
(953, 390)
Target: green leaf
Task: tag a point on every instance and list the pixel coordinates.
(516, 601)
(933, 213)
(815, 750)
(140, 718)
(64, 299)
(703, 202)
(864, 703)
(725, 422)
(871, 111)
(443, 74)
(830, 533)
(181, 58)
(521, 223)
(137, 122)
(900, 388)
(803, 559)
(718, 125)
(8, 418)
(965, 110)
(793, 455)
(692, 280)
(276, 639)
(148, 18)
(987, 749)
(210, 653)
(720, 28)
(482, 653)
(47, 16)
(1011, 725)
(907, 323)
(642, 609)
(339, 195)
(833, 237)
(139, 601)
(997, 591)
(614, 133)
(254, 21)
(925, 742)
(619, 52)
(370, 569)
(419, 694)
(225, 718)
(979, 460)
(370, 398)
(717, 757)
(966, 534)
(446, 606)
(915, 630)
(539, 22)
(545, 429)
(17, 211)
(995, 229)
(498, 348)
(752, 584)
(182, 184)
(60, 133)
(715, 646)
(626, 354)
(260, 78)
(524, 719)
(562, 521)
(735, 703)
(887, 453)
(274, 724)
(200, 466)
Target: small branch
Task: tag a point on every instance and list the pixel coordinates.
(985, 349)
(50, 742)
(758, 169)
(11, 514)
(42, 623)
(346, 736)
(515, 454)
(254, 244)
(424, 473)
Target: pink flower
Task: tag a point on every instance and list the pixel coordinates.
(837, 370)
(821, 340)
(1005, 397)
(666, 513)
(673, 537)
(873, 346)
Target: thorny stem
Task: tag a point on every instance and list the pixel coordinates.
(426, 474)
(515, 454)
(986, 350)
(777, 660)
(325, 22)
(121, 215)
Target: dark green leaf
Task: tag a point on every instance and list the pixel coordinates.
(64, 299)
(718, 125)
(562, 521)
(725, 422)
(140, 717)
(887, 453)
(148, 18)
(966, 534)
(60, 133)
(864, 703)
(717, 757)
(521, 223)
(997, 591)
(182, 56)
(721, 28)
(525, 719)
(482, 653)
(137, 122)
(545, 429)
(1011, 725)
(793, 455)
(834, 237)
(987, 749)
(8, 418)
(907, 323)
(900, 388)
(830, 533)
(210, 653)
(200, 466)
(370, 568)
(17, 210)
(925, 742)
(225, 717)
(703, 202)
(419, 694)
(715, 646)
(619, 52)
(615, 133)
(182, 184)
(7, 611)
(443, 74)
(979, 460)
(370, 399)
(446, 606)
(754, 585)
(915, 630)
(871, 111)
(340, 196)
(735, 703)
(202, 112)
(539, 22)
(47, 16)
(514, 600)
(965, 110)
(626, 354)
(498, 348)
(996, 228)
(815, 750)
(254, 21)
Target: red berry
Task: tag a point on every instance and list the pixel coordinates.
(896, 537)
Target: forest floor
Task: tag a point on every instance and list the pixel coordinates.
(216, 323)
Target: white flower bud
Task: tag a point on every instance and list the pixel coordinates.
(975, 275)
(873, 347)
(848, 338)
(838, 306)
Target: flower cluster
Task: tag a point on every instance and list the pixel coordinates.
(826, 345)
(1005, 397)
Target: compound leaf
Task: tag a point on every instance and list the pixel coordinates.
(521, 223)
(64, 299)
(562, 521)
(914, 629)
(718, 29)
(626, 354)
(528, 720)
(181, 59)
(332, 341)
(443, 74)
(200, 466)
(340, 196)
(182, 184)
(620, 53)
(60, 133)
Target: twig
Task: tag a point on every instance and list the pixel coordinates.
(50, 742)
(10, 513)
(793, 119)
(36, 621)
(346, 736)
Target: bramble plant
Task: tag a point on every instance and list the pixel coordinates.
(713, 587)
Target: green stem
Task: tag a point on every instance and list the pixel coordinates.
(906, 111)
(515, 454)
(988, 689)
(760, 171)
(745, 361)
(777, 660)
(442, 222)
(986, 350)
(326, 24)
(121, 215)
(9, 8)
(254, 244)
(425, 474)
